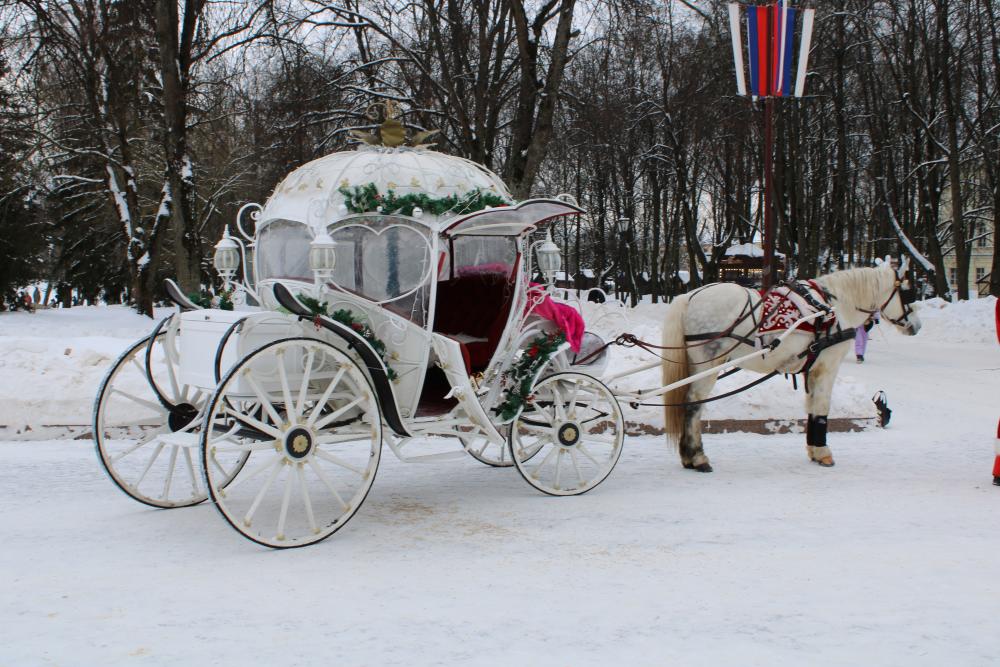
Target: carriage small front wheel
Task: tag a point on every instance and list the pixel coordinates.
(308, 418)
(569, 436)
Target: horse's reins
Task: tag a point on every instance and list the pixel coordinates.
(810, 354)
(630, 340)
(906, 297)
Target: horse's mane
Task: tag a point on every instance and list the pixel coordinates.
(859, 287)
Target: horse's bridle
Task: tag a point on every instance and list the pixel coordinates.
(907, 295)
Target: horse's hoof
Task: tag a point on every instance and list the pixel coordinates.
(825, 462)
(704, 467)
(687, 465)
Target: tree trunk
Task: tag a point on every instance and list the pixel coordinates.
(533, 117)
(174, 61)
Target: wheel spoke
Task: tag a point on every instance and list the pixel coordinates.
(318, 408)
(586, 452)
(264, 401)
(263, 490)
(286, 393)
(548, 457)
(285, 499)
(218, 466)
(541, 410)
(170, 472)
(336, 460)
(304, 386)
(135, 362)
(259, 425)
(149, 464)
(603, 440)
(559, 458)
(336, 413)
(571, 409)
(557, 404)
(576, 466)
(266, 465)
(305, 498)
(195, 489)
(539, 444)
(141, 401)
(327, 484)
(545, 430)
(142, 443)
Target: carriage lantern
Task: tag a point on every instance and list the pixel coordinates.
(227, 257)
(322, 257)
(549, 259)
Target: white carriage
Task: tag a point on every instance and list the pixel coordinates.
(370, 308)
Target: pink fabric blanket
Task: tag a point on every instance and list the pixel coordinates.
(563, 316)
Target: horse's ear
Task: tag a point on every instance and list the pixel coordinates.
(904, 265)
(878, 261)
(888, 259)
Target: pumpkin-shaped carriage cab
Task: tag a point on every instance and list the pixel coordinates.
(384, 295)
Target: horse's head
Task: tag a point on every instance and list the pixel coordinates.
(897, 306)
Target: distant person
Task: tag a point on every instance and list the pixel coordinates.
(861, 337)
(36, 295)
(996, 444)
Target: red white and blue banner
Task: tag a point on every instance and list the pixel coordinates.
(771, 32)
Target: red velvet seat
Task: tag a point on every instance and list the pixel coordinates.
(476, 306)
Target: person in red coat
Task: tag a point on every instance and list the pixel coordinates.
(996, 445)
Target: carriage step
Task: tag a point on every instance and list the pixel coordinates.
(435, 458)
(397, 449)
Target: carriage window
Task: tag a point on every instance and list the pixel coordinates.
(386, 260)
(478, 255)
(283, 251)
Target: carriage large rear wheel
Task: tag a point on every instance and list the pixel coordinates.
(308, 418)
(569, 437)
(147, 423)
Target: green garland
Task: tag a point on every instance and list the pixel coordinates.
(367, 199)
(347, 318)
(205, 300)
(522, 374)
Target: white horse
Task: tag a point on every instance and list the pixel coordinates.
(692, 342)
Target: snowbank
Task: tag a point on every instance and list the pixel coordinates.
(52, 361)
(970, 321)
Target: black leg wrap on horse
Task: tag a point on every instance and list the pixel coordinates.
(816, 431)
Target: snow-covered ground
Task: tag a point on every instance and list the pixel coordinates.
(892, 557)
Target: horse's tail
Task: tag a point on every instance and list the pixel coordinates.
(675, 366)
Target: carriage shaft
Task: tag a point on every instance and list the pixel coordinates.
(653, 392)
